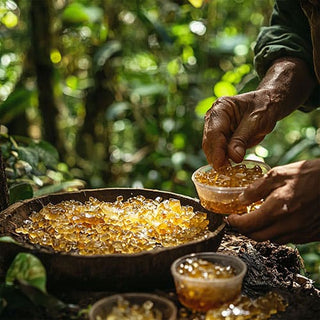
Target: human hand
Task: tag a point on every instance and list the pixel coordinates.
(234, 124)
(291, 210)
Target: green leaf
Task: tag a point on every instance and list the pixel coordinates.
(59, 187)
(46, 153)
(224, 88)
(197, 3)
(75, 13)
(29, 155)
(15, 104)
(7, 239)
(204, 105)
(19, 192)
(29, 269)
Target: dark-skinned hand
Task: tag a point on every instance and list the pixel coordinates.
(291, 209)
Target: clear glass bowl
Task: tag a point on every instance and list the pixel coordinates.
(224, 200)
(102, 308)
(200, 294)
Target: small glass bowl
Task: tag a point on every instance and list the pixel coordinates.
(200, 294)
(224, 200)
(102, 308)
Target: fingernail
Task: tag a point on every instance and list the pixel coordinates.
(225, 219)
(241, 197)
(239, 150)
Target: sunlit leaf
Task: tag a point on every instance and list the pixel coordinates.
(173, 67)
(28, 268)
(204, 105)
(223, 88)
(10, 20)
(179, 141)
(197, 3)
(75, 13)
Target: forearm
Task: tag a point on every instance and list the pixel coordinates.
(289, 83)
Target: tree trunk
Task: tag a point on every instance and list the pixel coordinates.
(41, 34)
(4, 198)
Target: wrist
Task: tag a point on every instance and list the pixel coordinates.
(288, 83)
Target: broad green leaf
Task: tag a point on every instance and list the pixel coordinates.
(204, 105)
(19, 192)
(223, 88)
(29, 269)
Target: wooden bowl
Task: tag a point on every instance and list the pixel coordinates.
(120, 272)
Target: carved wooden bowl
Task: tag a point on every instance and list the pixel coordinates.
(112, 272)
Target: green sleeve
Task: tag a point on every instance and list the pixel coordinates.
(287, 35)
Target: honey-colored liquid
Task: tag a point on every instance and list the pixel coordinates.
(227, 177)
(202, 296)
(98, 227)
(230, 176)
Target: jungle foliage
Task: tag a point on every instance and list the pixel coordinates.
(101, 93)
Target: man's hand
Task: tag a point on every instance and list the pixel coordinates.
(291, 210)
(234, 124)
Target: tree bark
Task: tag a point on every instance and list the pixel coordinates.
(42, 39)
(4, 197)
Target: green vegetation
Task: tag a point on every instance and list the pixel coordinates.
(100, 93)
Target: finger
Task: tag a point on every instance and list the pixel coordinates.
(269, 211)
(216, 133)
(261, 188)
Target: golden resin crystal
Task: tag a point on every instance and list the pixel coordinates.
(230, 176)
(99, 227)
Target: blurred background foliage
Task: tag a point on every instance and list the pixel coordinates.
(101, 93)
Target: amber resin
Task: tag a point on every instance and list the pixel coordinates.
(203, 295)
(98, 227)
(244, 308)
(230, 176)
(222, 200)
(125, 310)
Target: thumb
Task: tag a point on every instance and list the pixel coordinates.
(244, 137)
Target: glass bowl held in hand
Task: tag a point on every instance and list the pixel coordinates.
(219, 191)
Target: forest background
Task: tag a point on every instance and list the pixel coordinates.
(102, 93)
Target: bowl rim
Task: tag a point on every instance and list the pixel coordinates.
(225, 189)
(209, 281)
(128, 295)
(6, 214)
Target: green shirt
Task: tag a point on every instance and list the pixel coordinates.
(287, 35)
